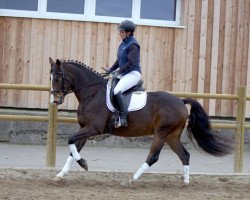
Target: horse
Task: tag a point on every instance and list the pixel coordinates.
(164, 116)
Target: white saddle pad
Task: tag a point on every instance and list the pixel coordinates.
(138, 100)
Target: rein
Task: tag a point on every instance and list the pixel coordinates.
(89, 85)
(64, 77)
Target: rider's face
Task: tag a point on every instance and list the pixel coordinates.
(124, 34)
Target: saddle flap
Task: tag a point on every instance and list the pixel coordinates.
(135, 100)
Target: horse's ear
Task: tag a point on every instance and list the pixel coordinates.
(51, 61)
(58, 62)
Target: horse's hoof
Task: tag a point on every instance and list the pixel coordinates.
(58, 178)
(127, 183)
(184, 184)
(83, 164)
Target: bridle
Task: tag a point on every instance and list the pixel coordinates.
(64, 79)
(63, 91)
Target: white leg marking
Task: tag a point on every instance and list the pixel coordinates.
(74, 152)
(186, 174)
(66, 167)
(140, 171)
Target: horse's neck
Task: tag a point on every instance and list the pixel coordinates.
(81, 76)
(86, 82)
(87, 95)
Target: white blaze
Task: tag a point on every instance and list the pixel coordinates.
(51, 87)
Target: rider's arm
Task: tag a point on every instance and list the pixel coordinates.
(114, 67)
(133, 56)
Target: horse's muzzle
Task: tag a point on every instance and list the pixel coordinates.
(58, 100)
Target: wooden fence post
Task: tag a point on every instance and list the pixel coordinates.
(239, 137)
(51, 136)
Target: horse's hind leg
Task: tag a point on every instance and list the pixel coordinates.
(174, 142)
(70, 159)
(152, 158)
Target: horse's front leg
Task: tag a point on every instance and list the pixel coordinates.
(70, 159)
(76, 142)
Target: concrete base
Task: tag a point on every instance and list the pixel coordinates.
(17, 132)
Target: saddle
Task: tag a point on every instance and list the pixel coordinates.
(135, 97)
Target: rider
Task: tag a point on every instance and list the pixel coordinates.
(127, 66)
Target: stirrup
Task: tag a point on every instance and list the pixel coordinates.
(118, 123)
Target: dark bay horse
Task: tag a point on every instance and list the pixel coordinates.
(164, 116)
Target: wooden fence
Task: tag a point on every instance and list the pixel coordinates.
(53, 119)
(210, 55)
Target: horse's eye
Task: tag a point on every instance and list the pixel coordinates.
(57, 80)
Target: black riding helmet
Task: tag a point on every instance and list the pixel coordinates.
(126, 26)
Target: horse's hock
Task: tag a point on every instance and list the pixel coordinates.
(36, 132)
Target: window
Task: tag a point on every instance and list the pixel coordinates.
(31, 5)
(114, 8)
(159, 9)
(66, 6)
(142, 12)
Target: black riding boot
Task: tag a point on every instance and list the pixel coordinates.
(122, 111)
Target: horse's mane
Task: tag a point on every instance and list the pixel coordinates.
(78, 63)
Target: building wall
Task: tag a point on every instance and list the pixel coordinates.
(211, 55)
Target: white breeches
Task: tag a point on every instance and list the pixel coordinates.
(127, 81)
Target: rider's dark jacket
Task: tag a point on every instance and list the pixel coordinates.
(128, 56)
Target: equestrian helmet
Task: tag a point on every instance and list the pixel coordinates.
(126, 26)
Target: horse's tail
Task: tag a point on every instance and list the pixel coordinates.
(199, 127)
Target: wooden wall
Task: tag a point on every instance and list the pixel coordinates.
(210, 55)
